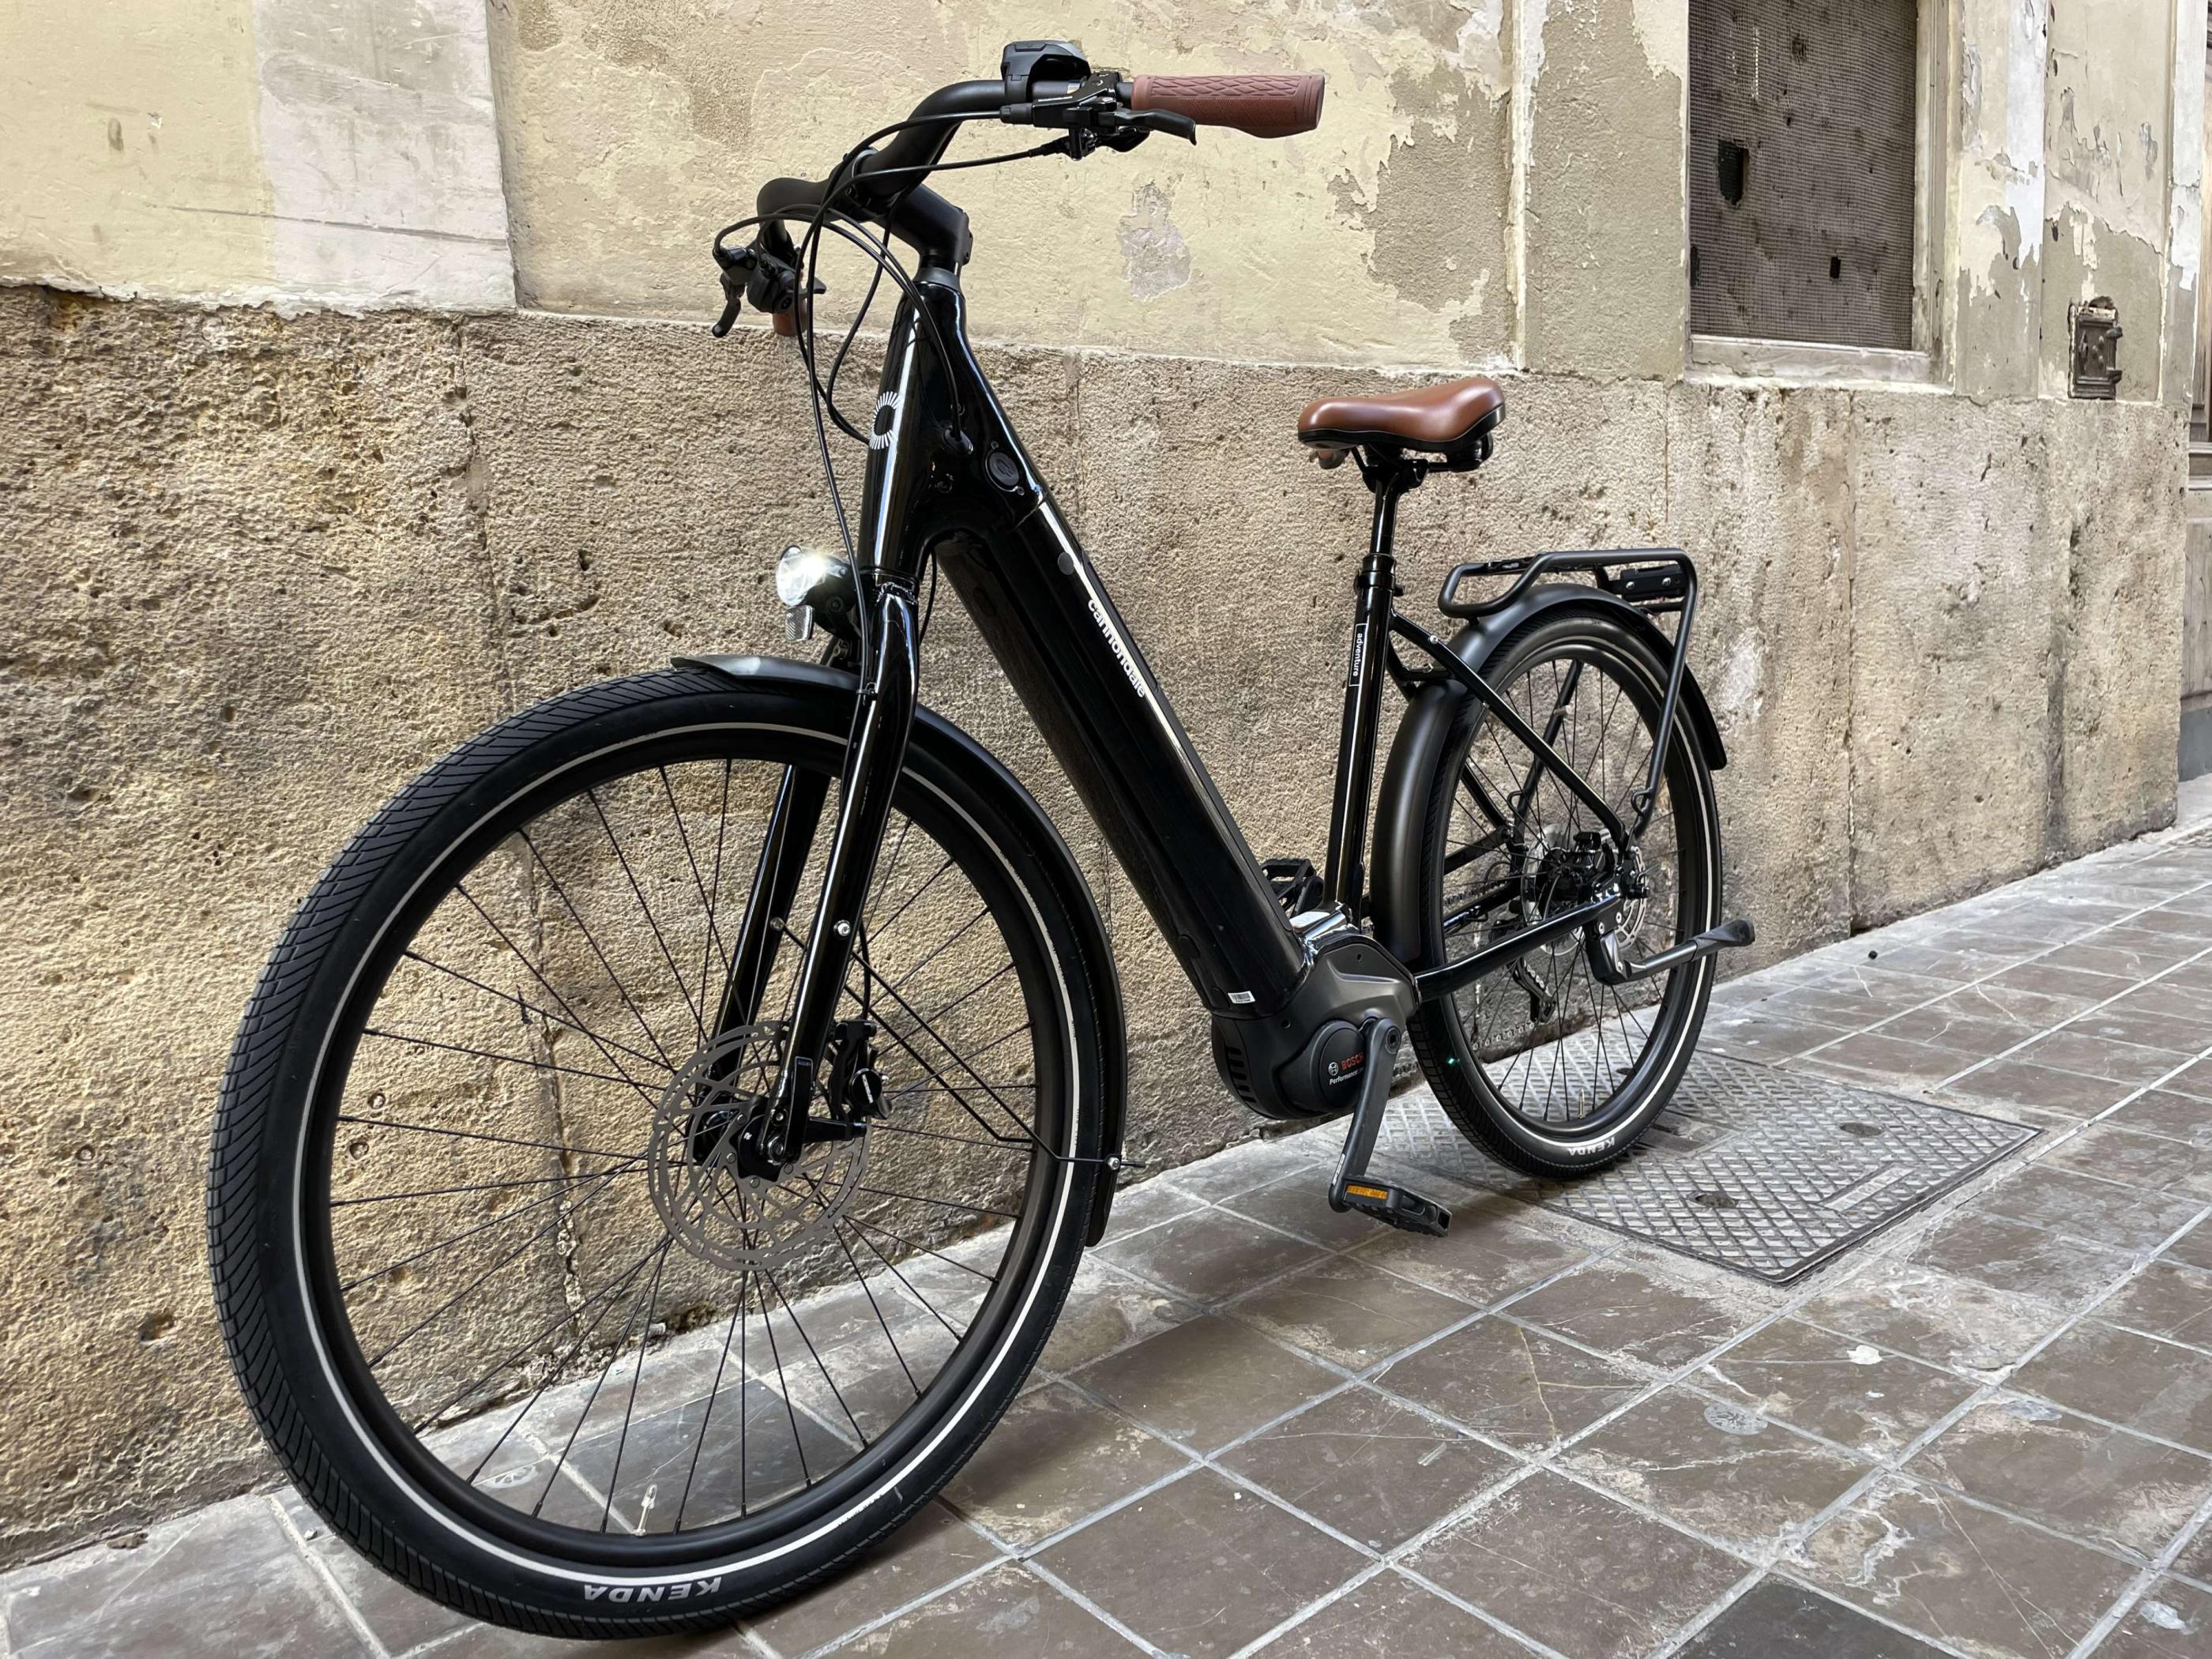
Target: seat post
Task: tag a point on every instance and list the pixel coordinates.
(1345, 881)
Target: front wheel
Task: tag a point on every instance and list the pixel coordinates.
(1543, 1065)
(519, 1322)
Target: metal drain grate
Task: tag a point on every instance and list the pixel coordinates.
(1763, 1172)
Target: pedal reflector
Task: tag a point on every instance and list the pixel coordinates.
(1396, 1206)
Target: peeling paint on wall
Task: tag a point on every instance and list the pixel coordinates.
(382, 154)
(1155, 258)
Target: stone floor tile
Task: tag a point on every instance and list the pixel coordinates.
(2059, 977)
(1947, 1025)
(2100, 1483)
(2172, 1621)
(1958, 956)
(1240, 1565)
(1778, 1620)
(495, 1642)
(1857, 997)
(2012, 1255)
(1577, 1572)
(2193, 1247)
(2190, 1002)
(2153, 1387)
(1485, 1258)
(2195, 1560)
(225, 1583)
(2016, 1083)
(1056, 1458)
(2167, 1299)
(699, 1460)
(2130, 1021)
(1935, 1316)
(1348, 1312)
(1107, 1310)
(1147, 1204)
(398, 1616)
(1240, 1168)
(1942, 1566)
(2129, 954)
(1620, 1305)
(1005, 1614)
(1715, 1467)
(1514, 1385)
(2196, 1081)
(1756, 1034)
(1882, 1058)
(1836, 1387)
(2117, 1152)
(1391, 1617)
(2055, 914)
(2087, 1208)
(1999, 1002)
(927, 1553)
(1298, 1203)
(1206, 1382)
(1209, 1255)
(2069, 1049)
(2175, 1116)
(1372, 1468)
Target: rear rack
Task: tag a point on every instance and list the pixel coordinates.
(1655, 579)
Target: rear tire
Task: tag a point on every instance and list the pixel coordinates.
(302, 1336)
(1568, 1092)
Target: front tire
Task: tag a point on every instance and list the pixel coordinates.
(482, 1015)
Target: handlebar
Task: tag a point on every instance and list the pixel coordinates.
(1035, 88)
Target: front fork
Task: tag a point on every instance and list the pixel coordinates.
(882, 720)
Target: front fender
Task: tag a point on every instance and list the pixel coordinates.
(954, 748)
(1418, 751)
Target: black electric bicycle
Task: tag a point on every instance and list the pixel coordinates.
(659, 1147)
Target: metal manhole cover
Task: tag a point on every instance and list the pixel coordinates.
(1767, 1172)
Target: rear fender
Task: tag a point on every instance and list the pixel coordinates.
(1418, 748)
(954, 748)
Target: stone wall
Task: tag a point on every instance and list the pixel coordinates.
(263, 569)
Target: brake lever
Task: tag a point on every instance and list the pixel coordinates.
(772, 284)
(737, 266)
(1124, 130)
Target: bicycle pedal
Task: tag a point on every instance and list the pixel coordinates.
(1395, 1207)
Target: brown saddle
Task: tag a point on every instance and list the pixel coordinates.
(1451, 420)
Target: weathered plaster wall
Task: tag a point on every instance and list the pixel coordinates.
(1381, 237)
(279, 565)
(304, 151)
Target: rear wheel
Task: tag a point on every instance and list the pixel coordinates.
(1543, 1065)
(518, 1322)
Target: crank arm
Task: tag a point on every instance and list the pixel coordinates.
(1611, 967)
(1353, 1188)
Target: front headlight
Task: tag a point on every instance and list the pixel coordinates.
(802, 569)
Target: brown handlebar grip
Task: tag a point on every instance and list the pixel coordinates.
(1265, 106)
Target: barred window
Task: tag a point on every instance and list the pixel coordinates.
(1803, 131)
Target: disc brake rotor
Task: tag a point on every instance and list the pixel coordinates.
(709, 1204)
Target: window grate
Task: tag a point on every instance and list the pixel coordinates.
(1803, 139)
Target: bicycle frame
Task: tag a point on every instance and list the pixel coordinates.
(948, 475)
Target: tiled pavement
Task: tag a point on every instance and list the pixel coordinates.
(1263, 1428)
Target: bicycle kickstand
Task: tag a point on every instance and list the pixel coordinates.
(1353, 1187)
